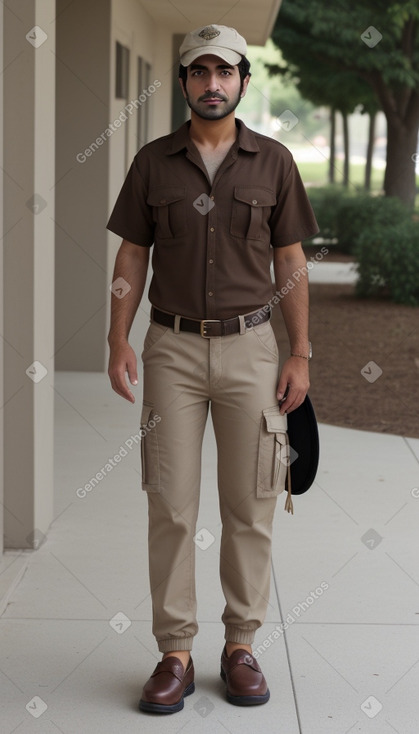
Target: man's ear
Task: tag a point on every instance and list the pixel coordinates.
(182, 87)
(246, 81)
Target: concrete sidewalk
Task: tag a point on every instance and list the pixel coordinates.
(77, 644)
(334, 272)
(341, 273)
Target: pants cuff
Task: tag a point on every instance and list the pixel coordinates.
(236, 634)
(175, 643)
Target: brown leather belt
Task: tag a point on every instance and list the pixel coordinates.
(209, 327)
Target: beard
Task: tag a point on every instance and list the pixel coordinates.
(218, 112)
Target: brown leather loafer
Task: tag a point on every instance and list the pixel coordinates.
(246, 684)
(168, 684)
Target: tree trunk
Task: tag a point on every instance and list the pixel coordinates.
(370, 150)
(332, 146)
(345, 129)
(399, 178)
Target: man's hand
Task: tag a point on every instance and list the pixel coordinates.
(294, 374)
(122, 359)
(131, 264)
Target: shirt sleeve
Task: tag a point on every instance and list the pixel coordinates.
(293, 218)
(131, 216)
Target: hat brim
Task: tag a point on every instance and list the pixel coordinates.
(226, 54)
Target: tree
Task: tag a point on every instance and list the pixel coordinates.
(269, 96)
(342, 92)
(371, 110)
(375, 41)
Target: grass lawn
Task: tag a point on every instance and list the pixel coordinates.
(314, 173)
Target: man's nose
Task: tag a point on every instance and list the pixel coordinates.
(213, 84)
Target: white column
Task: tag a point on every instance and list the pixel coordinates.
(29, 180)
(1, 294)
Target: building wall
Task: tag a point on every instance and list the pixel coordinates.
(134, 28)
(89, 174)
(82, 115)
(1, 296)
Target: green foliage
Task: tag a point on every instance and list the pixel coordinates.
(380, 232)
(357, 214)
(329, 34)
(364, 52)
(327, 202)
(272, 95)
(388, 261)
(345, 215)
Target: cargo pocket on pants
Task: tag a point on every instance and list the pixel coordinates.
(273, 456)
(150, 468)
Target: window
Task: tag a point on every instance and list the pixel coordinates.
(122, 71)
(180, 109)
(143, 114)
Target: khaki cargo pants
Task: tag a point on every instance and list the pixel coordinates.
(237, 375)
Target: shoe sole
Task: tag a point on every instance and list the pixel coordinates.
(244, 700)
(161, 708)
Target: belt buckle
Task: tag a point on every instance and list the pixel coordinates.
(203, 324)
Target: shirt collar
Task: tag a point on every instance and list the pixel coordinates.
(246, 139)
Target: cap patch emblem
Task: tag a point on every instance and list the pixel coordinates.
(209, 33)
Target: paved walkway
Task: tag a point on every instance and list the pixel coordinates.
(76, 635)
(340, 273)
(335, 272)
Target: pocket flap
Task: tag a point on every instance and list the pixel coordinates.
(163, 195)
(255, 196)
(275, 422)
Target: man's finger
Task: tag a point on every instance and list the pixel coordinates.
(282, 388)
(293, 403)
(132, 372)
(293, 400)
(120, 386)
(286, 404)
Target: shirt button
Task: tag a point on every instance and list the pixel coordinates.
(254, 201)
(212, 229)
(210, 293)
(210, 262)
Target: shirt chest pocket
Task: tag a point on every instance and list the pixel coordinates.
(251, 212)
(169, 211)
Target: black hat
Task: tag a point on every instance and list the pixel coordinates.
(303, 436)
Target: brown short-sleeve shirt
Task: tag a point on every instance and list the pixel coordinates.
(212, 242)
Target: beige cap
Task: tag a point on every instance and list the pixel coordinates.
(213, 39)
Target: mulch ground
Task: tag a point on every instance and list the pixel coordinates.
(365, 368)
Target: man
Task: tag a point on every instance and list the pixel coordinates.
(216, 200)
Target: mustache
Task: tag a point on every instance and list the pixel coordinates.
(212, 95)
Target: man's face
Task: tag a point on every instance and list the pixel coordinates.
(213, 87)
